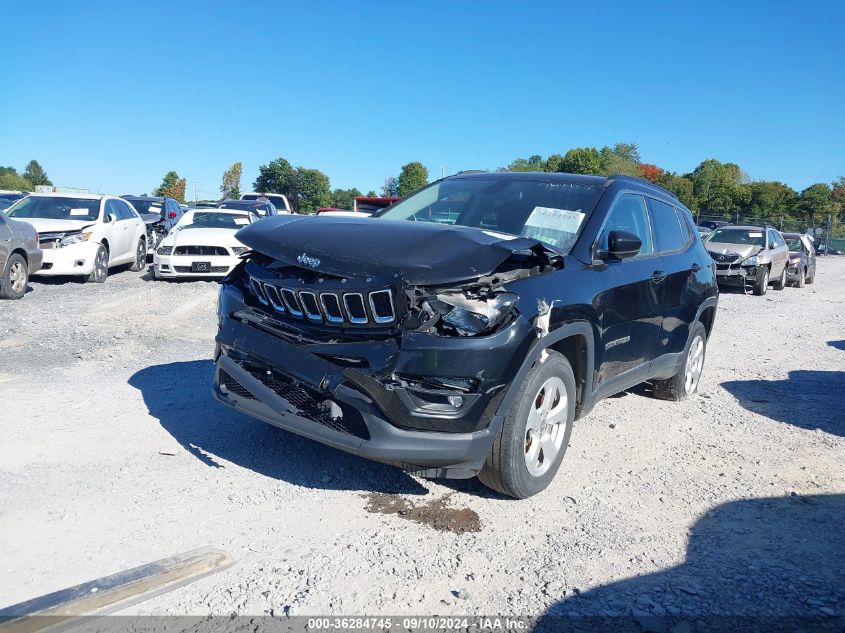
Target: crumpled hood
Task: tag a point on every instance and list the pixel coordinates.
(423, 253)
(45, 225)
(150, 218)
(743, 250)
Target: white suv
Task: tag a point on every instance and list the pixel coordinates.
(279, 201)
(84, 234)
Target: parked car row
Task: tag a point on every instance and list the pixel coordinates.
(87, 234)
(754, 257)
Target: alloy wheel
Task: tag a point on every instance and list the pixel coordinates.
(17, 276)
(546, 426)
(695, 362)
(101, 265)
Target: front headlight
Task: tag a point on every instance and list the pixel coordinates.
(76, 238)
(751, 261)
(237, 250)
(470, 317)
(164, 250)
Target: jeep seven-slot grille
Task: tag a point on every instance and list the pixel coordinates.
(336, 308)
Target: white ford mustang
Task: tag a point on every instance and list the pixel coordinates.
(202, 244)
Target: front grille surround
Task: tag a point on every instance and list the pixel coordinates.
(358, 308)
(207, 251)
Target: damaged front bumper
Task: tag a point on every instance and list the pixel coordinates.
(736, 274)
(418, 401)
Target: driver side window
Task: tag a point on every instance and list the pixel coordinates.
(628, 214)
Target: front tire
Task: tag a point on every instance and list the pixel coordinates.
(530, 446)
(140, 262)
(761, 286)
(802, 278)
(14, 279)
(780, 284)
(685, 383)
(812, 276)
(101, 266)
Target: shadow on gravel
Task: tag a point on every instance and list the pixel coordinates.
(767, 564)
(837, 344)
(179, 395)
(808, 399)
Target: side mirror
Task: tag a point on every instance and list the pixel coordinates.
(112, 218)
(772, 247)
(620, 245)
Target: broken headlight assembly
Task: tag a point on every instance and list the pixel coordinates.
(76, 238)
(471, 316)
(164, 250)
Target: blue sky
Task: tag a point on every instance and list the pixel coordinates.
(111, 95)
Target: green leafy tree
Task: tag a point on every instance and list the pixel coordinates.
(390, 188)
(580, 160)
(344, 198)
(36, 175)
(231, 185)
(681, 186)
(718, 188)
(11, 180)
(770, 200)
(172, 187)
(312, 190)
(532, 163)
(622, 158)
(371, 194)
(413, 176)
(277, 177)
(815, 203)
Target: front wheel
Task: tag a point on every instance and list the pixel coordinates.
(802, 278)
(101, 266)
(14, 279)
(762, 283)
(140, 257)
(812, 276)
(529, 447)
(685, 383)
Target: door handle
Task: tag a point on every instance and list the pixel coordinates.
(657, 276)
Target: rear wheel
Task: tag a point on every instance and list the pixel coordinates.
(780, 284)
(685, 382)
(140, 262)
(101, 266)
(761, 286)
(14, 279)
(530, 446)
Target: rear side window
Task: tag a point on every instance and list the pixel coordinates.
(668, 234)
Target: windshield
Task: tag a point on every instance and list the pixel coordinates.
(748, 237)
(211, 220)
(146, 206)
(550, 212)
(795, 245)
(55, 208)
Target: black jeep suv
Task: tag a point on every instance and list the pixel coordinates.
(464, 329)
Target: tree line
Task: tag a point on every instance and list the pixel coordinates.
(713, 188)
(32, 176)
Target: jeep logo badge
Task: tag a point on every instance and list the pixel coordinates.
(305, 260)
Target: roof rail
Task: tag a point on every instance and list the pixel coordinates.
(643, 181)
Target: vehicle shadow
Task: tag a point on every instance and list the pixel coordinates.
(808, 399)
(766, 564)
(840, 345)
(179, 396)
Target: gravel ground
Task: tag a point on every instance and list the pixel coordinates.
(114, 454)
